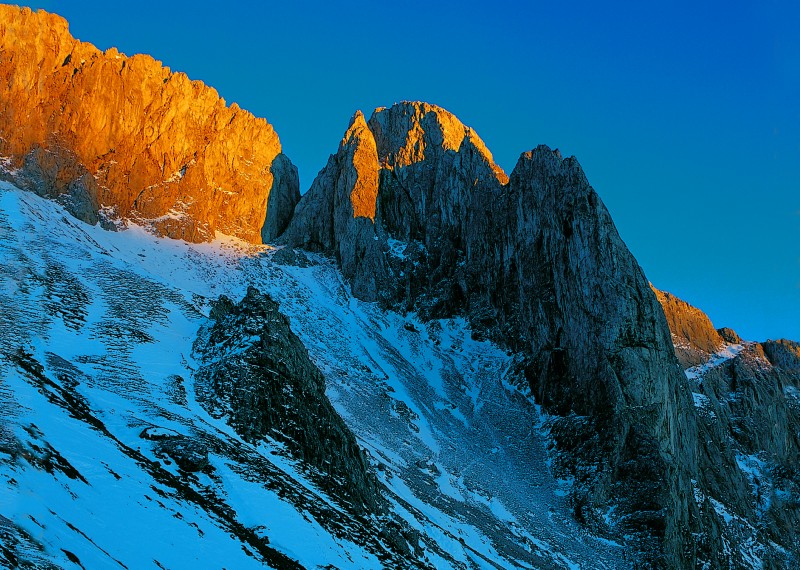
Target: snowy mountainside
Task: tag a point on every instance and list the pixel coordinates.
(97, 368)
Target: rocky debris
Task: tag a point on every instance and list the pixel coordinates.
(191, 456)
(257, 373)
(535, 263)
(153, 145)
(783, 354)
(694, 336)
(159, 434)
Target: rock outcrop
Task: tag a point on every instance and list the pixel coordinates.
(257, 373)
(126, 137)
(694, 336)
(729, 335)
(534, 262)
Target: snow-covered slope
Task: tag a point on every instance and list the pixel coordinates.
(96, 334)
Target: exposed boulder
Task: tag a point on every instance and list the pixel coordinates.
(94, 128)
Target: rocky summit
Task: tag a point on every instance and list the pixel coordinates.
(434, 365)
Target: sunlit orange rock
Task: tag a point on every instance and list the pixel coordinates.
(693, 335)
(125, 134)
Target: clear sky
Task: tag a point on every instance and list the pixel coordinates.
(684, 115)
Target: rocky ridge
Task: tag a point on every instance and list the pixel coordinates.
(257, 373)
(685, 470)
(112, 136)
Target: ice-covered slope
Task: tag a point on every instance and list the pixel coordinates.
(96, 373)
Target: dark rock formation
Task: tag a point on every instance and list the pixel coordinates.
(257, 373)
(337, 215)
(694, 336)
(94, 128)
(534, 262)
(58, 174)
(749, 452)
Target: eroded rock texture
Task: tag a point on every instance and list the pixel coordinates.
(534, 261)
(783, 354)
(101, 130)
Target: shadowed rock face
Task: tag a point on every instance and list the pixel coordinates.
(694, 336)
(749, 450)
(283, 197)
(534, 262)
(93, 128)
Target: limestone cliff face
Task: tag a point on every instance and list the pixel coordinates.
(98, 129)
(749, 450)
(694, 336)
(534, 262)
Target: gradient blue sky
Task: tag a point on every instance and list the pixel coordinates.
(684, 115)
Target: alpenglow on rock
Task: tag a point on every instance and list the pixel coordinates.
(694, 336)
(534, 262)
(102, 132)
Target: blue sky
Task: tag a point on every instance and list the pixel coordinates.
(684, 115)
